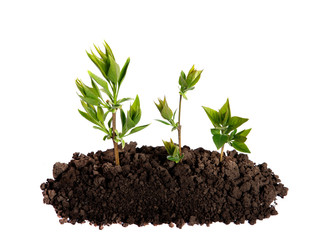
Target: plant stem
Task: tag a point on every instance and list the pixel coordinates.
(179, 125)
(222, 153)
(113, 138)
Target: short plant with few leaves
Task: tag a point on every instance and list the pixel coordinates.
(225, 129)
(186, 83)
(102, 98)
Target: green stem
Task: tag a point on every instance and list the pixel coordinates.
(179, 125)
(222, 153)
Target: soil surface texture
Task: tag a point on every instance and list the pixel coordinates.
(148, 188)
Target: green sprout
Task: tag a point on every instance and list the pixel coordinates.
(186, 83)
(225, 129)
(173, 151)
(97, 109)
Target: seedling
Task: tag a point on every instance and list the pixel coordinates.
(97, 109)
(173, 151)
(225, 129)
(186, 83)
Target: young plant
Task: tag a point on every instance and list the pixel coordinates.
(173, 151)
(97, 108)
(186, 83)
(225, 129)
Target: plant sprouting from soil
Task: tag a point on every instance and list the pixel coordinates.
(225, 129)
(103, 98)
(186, 83)
(173, 151)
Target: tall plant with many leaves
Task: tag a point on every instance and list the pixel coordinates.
(102, 98)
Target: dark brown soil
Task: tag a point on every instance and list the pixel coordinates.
(148, 188)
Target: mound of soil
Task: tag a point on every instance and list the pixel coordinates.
(148, 188)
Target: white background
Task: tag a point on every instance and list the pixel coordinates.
(273, 59)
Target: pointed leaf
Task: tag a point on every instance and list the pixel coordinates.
(100, 114)
(113, 71)
(91, 101)
(96, 89)
(219, 140)
(213, 116)
(89, 118)
(215, 131)
(225, 113)
(239, 138)
(100, 64)
(235, 122)
(137, 129)
(109, 123)
(123, 118)
(162, 121)
(242, 147)
(102, 129)
(123, 100)
(108, 50)
(101, 82)
(123, 72)
(244, 133)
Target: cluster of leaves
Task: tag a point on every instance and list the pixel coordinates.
(225, 128)
(92, 98)
(188, 82)
(114, 77)
(166, 113)
(173, 151)
(129, 121)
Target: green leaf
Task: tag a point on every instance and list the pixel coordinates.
(242, 147)
(108, 50)
(100, 114)
(80, 86)
(123, 100)
(90, 110)
(219, 140)
(239, 138)
(100, 64)
(193, 83)
(102, 129)
(182, 82)
(91, 101)
(113, 71)
(213, 116)
(135, 112)
(123, 72)
(101, 82)
(183, 95)
(96, 89)
(215, 131)
(162, 121)
(174, 159)
(170, 146)
(89, 118)
(109, 122)
(103, 56)
(123, 117)
(235, 122)
(137, 129)
(225, 113)
(244, 133)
